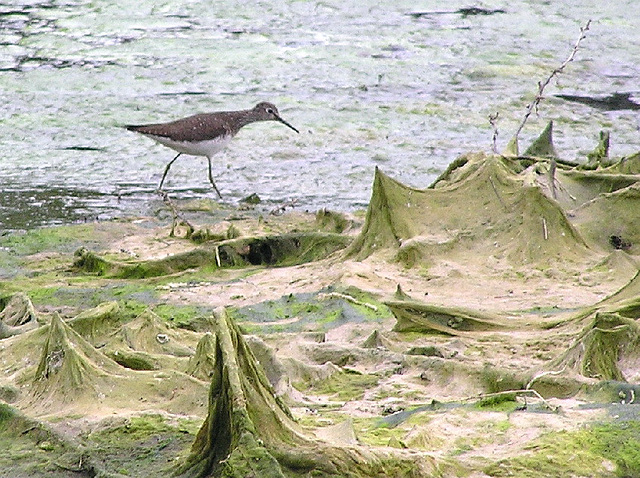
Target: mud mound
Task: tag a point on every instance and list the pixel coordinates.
(69, 366)
(149, 333)
(250, 432)
(525, 210)
(608, 348)
(202, 364)
(17, 315)
(280, 250)
(413, 316)
(500, 213)
(97, 324)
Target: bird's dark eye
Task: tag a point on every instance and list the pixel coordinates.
(270, 111)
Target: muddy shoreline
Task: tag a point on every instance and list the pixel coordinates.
(476, 328)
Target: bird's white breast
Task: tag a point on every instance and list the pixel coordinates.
(207, 147)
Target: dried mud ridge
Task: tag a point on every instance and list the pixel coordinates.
(484, 326)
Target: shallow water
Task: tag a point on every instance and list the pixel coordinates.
(366, 84)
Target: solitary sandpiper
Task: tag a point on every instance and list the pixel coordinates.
(207, 133)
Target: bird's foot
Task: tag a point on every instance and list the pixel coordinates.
(178, 218)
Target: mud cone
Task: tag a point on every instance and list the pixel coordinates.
(250, 432)
(202, 364)
(17, 316)
(69, 365)
(148, 333)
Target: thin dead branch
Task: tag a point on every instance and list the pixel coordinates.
(495, 190)
(523, 392)
(543, 374)
(348, 298)
(543, 84)
(493, 121)
(552, 178)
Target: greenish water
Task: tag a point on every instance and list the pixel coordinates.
(365, 83)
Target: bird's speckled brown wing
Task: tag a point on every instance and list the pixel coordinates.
(199, 127)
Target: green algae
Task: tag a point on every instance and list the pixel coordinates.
(505, 402)
(371, 432)
(31, 448)
(144, 445)
(278, 250)
(60, 239)
(320, 311)
(345, 385)
(143, 427)
(89, 262)
(182, 315)
(607, 449)
(331, 221)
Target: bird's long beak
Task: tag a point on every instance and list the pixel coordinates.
(287, 124)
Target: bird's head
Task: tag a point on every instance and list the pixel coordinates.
(268, 112)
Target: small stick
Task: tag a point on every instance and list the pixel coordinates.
(495, 190)
(542, 85)
(544, 229)
(218, 262)
(348, 298)
(493, 121)
(544, 374)
(552, 178)
(507, 392)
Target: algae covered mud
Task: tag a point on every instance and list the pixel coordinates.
(367, 83)
(485, 326)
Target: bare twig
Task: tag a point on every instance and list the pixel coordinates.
(542, 85)
(524, 392)
(544, 374)
(552, 178)
(218, 261)
(495, 190)
(348, 298)
(493, 121)
(545, 232)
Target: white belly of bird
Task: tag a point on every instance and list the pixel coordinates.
(207, 147)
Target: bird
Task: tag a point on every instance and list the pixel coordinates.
(205, 134)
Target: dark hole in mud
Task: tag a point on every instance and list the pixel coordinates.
(271, 250)
(260, 253)
(619, 243)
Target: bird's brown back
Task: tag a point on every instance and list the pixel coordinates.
(200, 127)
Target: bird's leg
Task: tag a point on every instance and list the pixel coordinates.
(177, 217)
(211, 179)
(166, 170)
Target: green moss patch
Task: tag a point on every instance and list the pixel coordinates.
(344, 385)
(142, 446)
(320, 311)
(30, 448)
(505, 402)
(60, 239)
(370, 432)
(611, 449)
